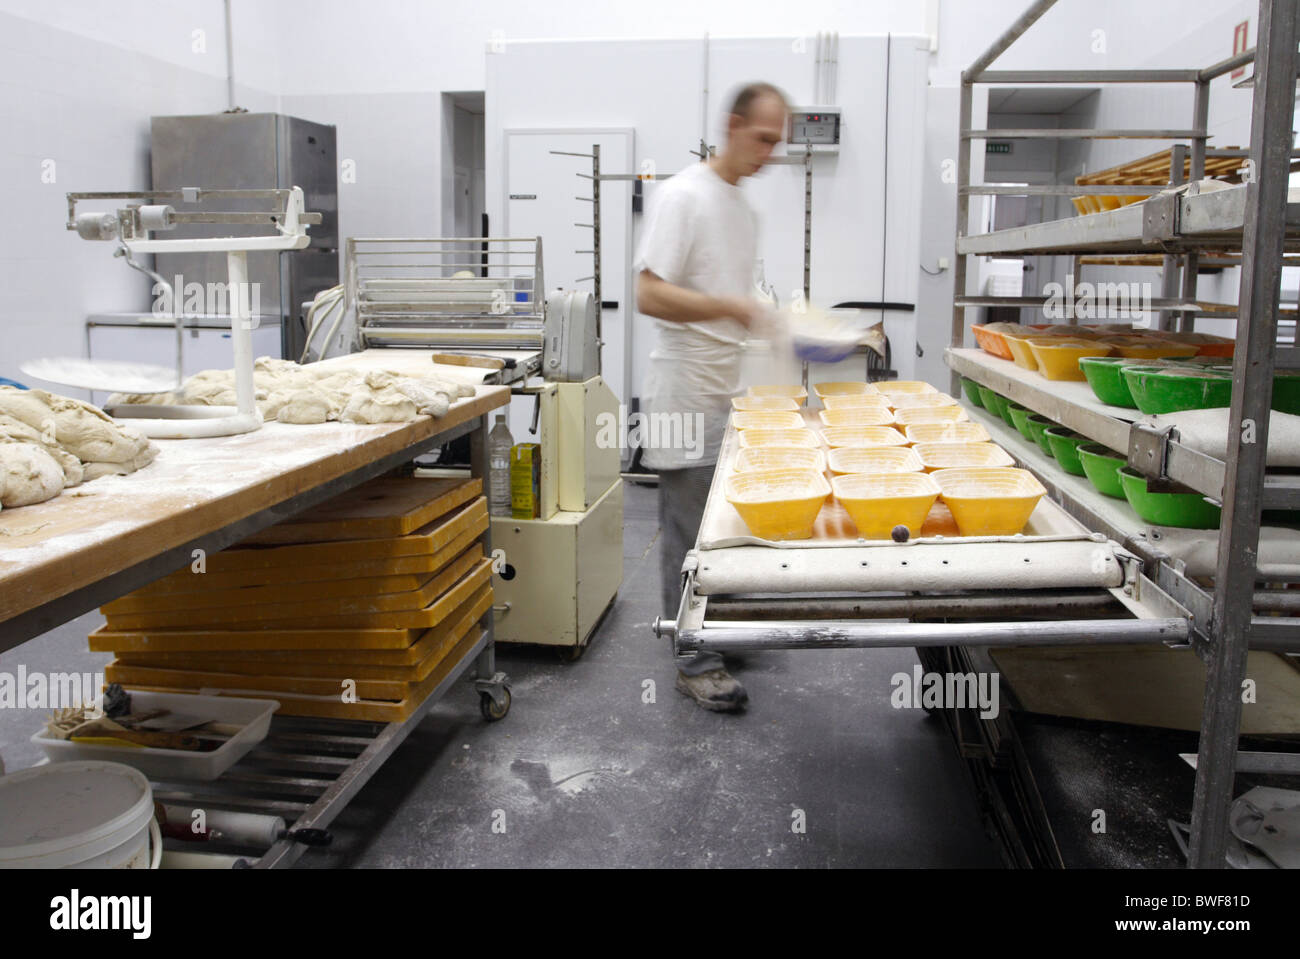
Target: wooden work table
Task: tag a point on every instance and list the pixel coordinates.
(63, 557)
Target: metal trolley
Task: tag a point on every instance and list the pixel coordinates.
(1255, 220)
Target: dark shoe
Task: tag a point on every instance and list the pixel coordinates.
(716, 689)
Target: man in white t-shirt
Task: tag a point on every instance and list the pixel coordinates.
(696, 278)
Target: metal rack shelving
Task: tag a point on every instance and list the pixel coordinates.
(1258, 221)
(1174, 222)
(1073, 405)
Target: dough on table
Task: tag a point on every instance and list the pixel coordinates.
(384, 406)
(291, 393)
(73, 473)
(85, 431)
(307, 406)
(142, 459)
(28, 475)
(50, 442)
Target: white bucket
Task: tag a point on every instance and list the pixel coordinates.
(78, 815)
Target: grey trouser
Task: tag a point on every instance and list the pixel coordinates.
(682, 495)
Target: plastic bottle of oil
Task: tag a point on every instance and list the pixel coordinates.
(499, 443)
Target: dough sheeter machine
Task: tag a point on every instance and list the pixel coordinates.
(482, 302)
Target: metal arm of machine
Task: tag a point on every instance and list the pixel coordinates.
(133, 225)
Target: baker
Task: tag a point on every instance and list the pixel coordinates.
(695, 277)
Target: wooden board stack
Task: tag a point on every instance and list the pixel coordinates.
(356, 609)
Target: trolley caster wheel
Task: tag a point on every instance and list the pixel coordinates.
(489, 708)
(570, 654)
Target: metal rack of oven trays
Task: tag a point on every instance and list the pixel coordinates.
(1254, 220)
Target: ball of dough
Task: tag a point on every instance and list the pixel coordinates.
(306, 406)
(384, 406)
(28, 475)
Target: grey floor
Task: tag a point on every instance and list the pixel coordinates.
(584, 772)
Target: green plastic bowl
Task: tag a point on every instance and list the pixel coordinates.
(1188, 510)
(1020, 419)
(1038, 427)
(1105, 375)
(972, 391)
(1160, 389)
(1286, 392)
(1004, 407)
(1101, 465)
(1065, 447)
(1170, 388)
(991, 401)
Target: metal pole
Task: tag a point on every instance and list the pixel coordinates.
(1200, 120)
(804, 635)
(807, 240)
(480, 466)
(1014, 33)
(964, 110)
(595, 221)
(230, 60)
(1262, 240)
(1169, 278)
(1040, 603)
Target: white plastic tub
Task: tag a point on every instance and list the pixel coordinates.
(78, 815)
(254, 715)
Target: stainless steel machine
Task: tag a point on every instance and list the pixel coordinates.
(480, 302)
(240, 151)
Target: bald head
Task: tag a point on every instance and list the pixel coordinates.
(755, 125)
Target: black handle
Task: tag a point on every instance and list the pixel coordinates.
(874, 305)
(308, 837)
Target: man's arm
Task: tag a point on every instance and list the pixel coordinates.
(659, 298)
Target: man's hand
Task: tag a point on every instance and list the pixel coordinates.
(754, 315)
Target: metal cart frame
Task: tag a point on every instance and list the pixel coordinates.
(1258, 221)
(306, 770)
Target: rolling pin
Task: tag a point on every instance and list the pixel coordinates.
(242, 828)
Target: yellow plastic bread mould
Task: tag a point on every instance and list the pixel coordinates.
(954, 432)
(756, 459)
(752, 404)
(778, 504)
(761, 437)
(873, 459)
(989, 501)
(860, 416)
(879, 502)
(850, 388)
(937, 456)
(836, 436)
(768, 420)
(854, 401)
(796, 393)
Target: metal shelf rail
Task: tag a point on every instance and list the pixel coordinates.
(1255, 219)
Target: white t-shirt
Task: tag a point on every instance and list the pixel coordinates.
(700, 234)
